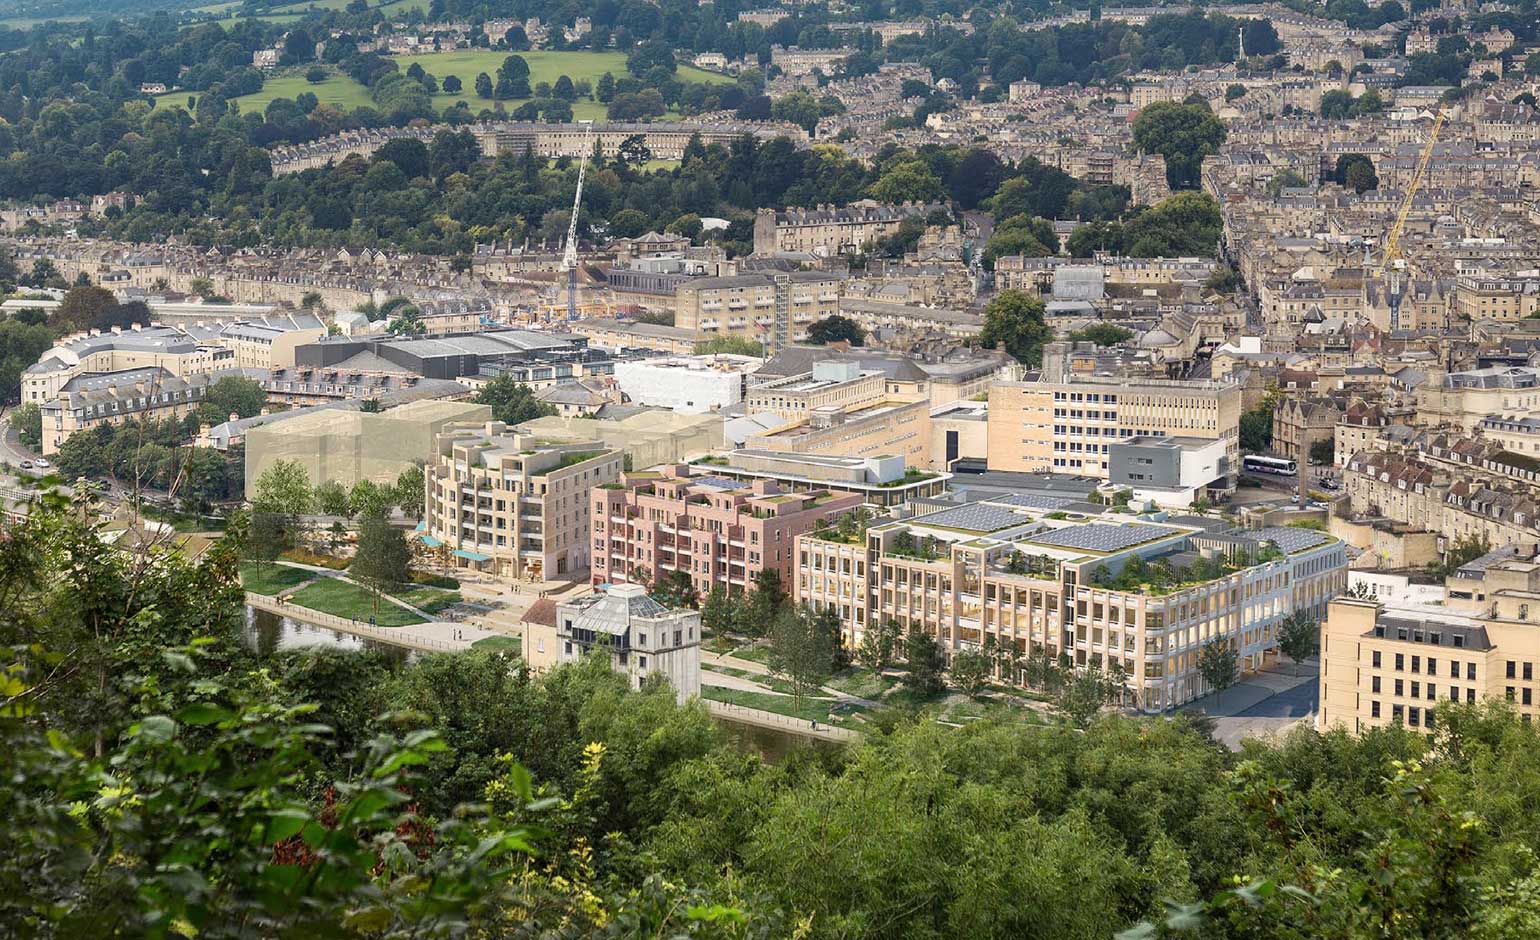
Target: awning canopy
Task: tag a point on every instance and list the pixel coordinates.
(431, 542)
(471, 556)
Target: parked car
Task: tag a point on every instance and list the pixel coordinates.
(26, 465)
(41, 462)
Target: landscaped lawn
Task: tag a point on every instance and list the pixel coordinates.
(427, 598)
(754, 654)
(341, 599)
(813, 709)
(862, 683)
(513, 643)
(546, 66)
(268, 578)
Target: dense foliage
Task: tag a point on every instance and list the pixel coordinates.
(161, 779)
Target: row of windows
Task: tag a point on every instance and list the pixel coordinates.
(1375, 660)
(1430, 691)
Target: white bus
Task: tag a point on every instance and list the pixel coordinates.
(1258, 464)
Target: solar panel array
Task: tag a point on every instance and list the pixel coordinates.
(721, 483)
(1290, 540)
(1098, 537)
(1033, 501)
(974, 517)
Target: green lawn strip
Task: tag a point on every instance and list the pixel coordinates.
(862, 683)
(547, 66)
(341, 599)
(499, 643)
(813, 709)
(544, 66)
(754, 654)
(773, 683)
(267, 578)
(430, 599)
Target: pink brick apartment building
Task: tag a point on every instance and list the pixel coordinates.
(721, 531)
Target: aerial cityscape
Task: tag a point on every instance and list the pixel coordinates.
(802, 469)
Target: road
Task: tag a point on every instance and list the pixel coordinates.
(1264, 704)
(11, 449)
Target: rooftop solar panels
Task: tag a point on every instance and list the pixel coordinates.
(1290, 540)
(1099, 537)
(974, 517)
(721, 483)
(1032, 501)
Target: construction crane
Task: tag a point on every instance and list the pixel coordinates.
(569, 256)
(1392, 263)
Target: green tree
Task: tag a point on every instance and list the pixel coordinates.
(368, 498)
(284, 487)
(511, 402)
(1256, 425)
(21, 344)
(1299, 637)
(907, 181)
(802, 646)
(383, 558)
(331, 499)
(1360, 177)
(28, 422)
(229, 395)
(720, 610)
(729, 345)
(410, 491)
(675, 590)
(283, 494)
(1182, 133)
(923, 663)
(1219, 665)
(971, 670)
(1014, 321)
(835, 328)
(1102, 334)
(879, 644)
(1021, 235)
(764, 603)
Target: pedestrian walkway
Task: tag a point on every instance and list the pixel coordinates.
(433, 637)
(1264, 704)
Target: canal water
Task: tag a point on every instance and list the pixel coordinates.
(266, 632)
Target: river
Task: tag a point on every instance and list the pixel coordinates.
(267, 632)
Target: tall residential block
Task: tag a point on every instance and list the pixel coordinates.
(721, 531)
(508, 503)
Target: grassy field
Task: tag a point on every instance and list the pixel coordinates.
(431, 599)
(862, 683)
(268, 578)
(290, 12)
(813, 709)
(754, 654)
(513, 643)
(347, 94)
(333, 596)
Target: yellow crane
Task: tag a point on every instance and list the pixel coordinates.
(1391, 262)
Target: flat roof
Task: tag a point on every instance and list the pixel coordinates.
(1104, 538)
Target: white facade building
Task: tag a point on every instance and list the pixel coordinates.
(687, 384)
(644, 637)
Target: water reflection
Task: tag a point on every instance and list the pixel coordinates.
(771, 744)
(266, 632)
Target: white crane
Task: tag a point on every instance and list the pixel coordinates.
(569, 256)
